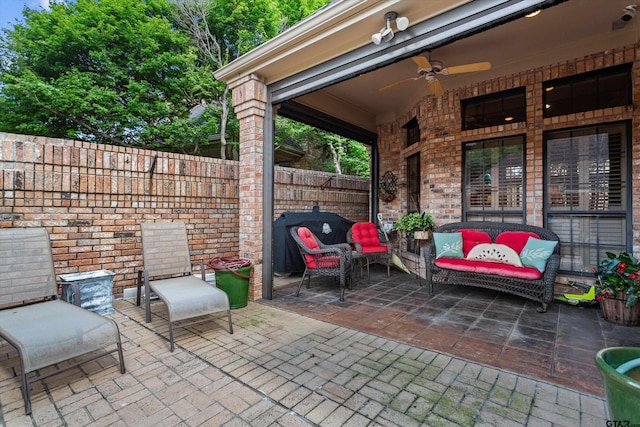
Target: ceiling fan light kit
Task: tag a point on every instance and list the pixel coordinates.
(386, 33)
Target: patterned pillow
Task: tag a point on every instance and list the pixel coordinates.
(536, 253)
(448, 245)
(494, 252)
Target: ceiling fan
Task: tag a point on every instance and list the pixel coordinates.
(429, 70)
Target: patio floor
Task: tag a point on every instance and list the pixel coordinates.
(281, 368)
(478, 325)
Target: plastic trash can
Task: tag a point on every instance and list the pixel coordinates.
(618, 367)
(232, 276)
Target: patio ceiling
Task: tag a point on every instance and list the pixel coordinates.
(300, 64)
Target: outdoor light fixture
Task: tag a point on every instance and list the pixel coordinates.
(386, 33)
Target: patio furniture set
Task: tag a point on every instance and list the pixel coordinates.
(46, 331)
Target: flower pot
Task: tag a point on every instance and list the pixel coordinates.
(422, 235)
(614, 310)
(621, 390)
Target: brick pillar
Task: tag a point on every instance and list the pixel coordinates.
(249, 101)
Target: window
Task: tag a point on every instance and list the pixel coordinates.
(496, 109)
(494, 180)
(588, 91)
(413, 132)
(587, 172)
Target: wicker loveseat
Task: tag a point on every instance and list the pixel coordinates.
(525, 281)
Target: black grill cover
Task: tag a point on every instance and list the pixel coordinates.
(286, 256)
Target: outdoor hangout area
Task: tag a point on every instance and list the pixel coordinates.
(479, 270)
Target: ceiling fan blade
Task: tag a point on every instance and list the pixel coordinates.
(466, 68)
(422, 62)
(435, 87)
(382, 89)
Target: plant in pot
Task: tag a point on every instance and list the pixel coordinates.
(416, 225)
(618, 288)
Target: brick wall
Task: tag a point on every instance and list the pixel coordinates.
(92, 199)
(442, 138)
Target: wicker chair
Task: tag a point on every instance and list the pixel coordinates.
(370, 245)
(44, 330)
(321, 259)
(167, 272)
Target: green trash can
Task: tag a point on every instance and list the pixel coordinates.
(232, 276)
(620, 370)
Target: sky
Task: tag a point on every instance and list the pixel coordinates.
(10, 10)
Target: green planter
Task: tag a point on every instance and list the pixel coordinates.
(622, 391)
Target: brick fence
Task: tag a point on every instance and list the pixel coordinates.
(92, 199)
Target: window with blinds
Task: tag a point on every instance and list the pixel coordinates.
(586, 201)
(413, 192)
(494, 180)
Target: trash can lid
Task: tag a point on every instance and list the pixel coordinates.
(229, 263)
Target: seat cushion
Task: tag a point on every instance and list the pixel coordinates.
(366, 233)
(189, 296)
(486, 267)
(50, 332)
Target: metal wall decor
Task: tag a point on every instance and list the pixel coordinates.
(387, 187)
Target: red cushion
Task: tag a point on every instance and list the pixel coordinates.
(486, 267)
(310, 242)
(516, 240)
(366, 234)
(471, 238)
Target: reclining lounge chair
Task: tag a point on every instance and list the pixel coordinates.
(44, 330)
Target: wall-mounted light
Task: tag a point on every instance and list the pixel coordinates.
(386, 33)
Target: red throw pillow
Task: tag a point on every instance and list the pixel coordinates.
(516, 240)
(471, 238)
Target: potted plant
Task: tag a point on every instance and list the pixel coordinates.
(618, 288)
(416, 225)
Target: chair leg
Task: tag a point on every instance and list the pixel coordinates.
(25, 393)
(302, 281)
(172, 346)
(147, 300)
(230, 324)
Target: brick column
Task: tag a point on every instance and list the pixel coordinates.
(249, 101)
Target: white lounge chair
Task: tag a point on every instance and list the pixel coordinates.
(44, 330)
(167, 272)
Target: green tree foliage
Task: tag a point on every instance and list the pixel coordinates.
(109, 71)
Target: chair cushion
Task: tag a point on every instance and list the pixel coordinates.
(189, 296)
(311, 243)
(366, 233)
(54, 331)
(484, 267)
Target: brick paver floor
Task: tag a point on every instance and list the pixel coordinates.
(283, 369)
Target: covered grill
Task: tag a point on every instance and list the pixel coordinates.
(329, 227)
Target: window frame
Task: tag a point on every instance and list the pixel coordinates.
(518, 215)
(626, 209)
(518, 114)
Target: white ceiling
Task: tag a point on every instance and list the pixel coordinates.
(568, 30)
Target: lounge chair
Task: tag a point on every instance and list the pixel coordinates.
(167, 273)
(44, 330)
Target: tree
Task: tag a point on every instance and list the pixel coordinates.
(109, 71)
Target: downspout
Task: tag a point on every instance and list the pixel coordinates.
(375, 177)
(267, 200)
